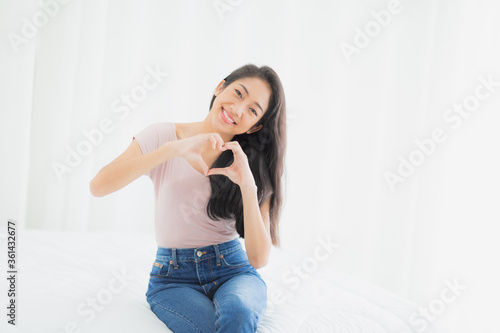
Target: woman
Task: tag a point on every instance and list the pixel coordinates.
(202, 280)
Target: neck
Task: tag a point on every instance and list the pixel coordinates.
(206, 126)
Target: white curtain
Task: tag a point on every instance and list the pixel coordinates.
(364, 80)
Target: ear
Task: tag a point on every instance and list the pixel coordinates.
(219, 89)
(254, 129)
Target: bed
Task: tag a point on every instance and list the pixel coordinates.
(95, 282)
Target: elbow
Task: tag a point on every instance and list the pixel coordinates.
(259, 263)
(259, 259)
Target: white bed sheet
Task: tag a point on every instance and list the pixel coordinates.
(60, 273)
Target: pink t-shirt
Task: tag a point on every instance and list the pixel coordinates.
(181, 196)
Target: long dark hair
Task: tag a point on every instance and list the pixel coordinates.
(265, 150)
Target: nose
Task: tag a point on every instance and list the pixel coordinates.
(241, 108)
(237, 111)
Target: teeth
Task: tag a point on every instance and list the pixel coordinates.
(227, 117)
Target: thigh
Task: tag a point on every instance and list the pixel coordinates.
(240, 301)
(183, 309)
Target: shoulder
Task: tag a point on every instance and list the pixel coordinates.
(161, 125)
(158, 132)
(164, 127)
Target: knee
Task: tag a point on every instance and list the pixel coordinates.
(240, 313)
(243, 311)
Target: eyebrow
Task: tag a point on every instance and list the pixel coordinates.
(246, 91)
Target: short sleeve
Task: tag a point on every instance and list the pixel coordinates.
(153, 137)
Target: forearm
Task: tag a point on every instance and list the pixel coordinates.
(116, 175)
(257, 238)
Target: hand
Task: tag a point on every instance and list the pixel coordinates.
(239, 172)
(190, 148)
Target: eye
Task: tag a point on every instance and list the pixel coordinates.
(239, 94)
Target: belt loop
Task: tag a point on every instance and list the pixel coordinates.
(174, 258)
(217, 254)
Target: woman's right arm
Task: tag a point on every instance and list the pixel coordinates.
(129, 166)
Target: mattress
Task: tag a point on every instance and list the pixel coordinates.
(96, 282)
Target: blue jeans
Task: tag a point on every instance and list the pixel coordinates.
(207, 289)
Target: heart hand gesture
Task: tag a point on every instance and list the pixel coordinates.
(190, 148)
(239, 171)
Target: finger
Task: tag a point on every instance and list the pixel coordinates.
(234, 146)
(220, 142)
(217, 171)
(233, 143)
(229, 144)
(213, 140)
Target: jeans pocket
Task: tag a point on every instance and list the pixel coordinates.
(235, 259)
(161, 269)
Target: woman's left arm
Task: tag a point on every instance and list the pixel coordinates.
(257, 229)
(256, 220)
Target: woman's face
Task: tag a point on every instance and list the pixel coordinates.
(240, 105)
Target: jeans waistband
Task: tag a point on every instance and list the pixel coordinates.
(198, 253)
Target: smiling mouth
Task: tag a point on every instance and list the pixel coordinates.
(226, 117)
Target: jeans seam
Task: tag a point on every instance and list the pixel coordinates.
(231, 250)
(226, 264)
(217, 314)
(177, 314)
